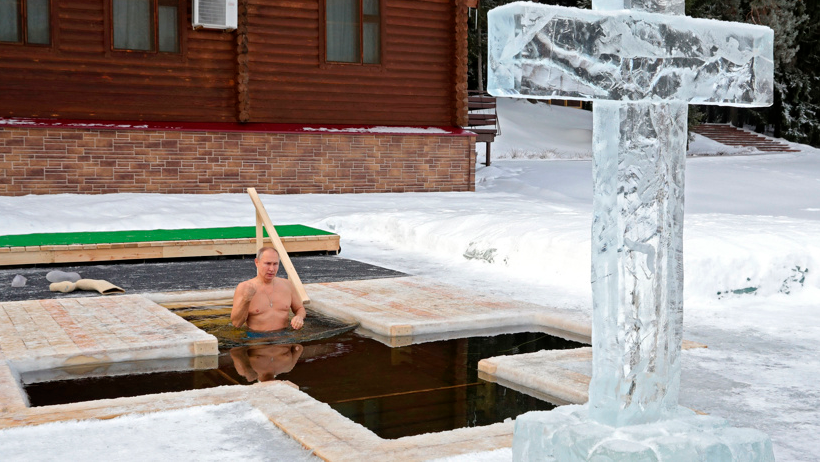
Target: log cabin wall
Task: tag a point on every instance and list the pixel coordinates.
(270, 70)
(80, 77)
(290, 81)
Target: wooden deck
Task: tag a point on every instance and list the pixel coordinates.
(76, 253)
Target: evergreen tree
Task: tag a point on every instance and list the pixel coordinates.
(796, 100)
(477, 37)
(799, 81)
(796, 25)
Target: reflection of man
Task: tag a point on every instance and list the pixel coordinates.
(265, 362)
(265, 301)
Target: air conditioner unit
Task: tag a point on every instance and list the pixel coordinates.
(215, 14)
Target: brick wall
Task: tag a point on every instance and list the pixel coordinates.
(92, 161)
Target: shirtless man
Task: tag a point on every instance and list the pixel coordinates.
(265, 301)
(265, 362)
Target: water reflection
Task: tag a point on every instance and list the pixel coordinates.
(265, 362)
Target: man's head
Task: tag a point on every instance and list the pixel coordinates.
(267, 263)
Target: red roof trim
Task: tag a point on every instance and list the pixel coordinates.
(232, 127)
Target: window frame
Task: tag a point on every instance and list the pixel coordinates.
(182, 15)
(324, 62)
(22, 24)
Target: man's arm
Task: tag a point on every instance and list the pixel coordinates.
(298, 309)
(241, 303)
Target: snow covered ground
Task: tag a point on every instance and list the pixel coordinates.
(751, 250)
(235, 431)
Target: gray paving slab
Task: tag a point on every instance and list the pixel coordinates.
(184, 275)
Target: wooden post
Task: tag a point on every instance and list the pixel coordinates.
(262, 215)
(259, 235)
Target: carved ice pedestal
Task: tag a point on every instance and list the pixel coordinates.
(568, 434)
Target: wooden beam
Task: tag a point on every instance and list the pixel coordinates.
(262, 214)
(259, 233)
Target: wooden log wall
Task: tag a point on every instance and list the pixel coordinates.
(413, 85)
(243, 97)
(270, 70)
(79, 77)
(459, 68)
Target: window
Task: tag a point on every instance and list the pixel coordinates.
(352, 31)
(25, 21)
(145, 25)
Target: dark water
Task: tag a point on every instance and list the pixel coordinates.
(395, 392)
(215, 320)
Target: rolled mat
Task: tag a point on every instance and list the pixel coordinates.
(101, 286)
(64, 286)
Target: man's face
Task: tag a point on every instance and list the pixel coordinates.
(267, 265)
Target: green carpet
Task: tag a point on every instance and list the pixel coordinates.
(110, 237)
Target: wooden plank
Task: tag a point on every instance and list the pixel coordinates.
(477, 122)
(277, 244)
(259, 231)
(89, 255)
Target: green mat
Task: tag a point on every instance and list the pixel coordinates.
(108, 237)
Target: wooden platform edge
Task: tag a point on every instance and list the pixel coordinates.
(157, 250)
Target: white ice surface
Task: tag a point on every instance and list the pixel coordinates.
(525, 233)
(235, 431)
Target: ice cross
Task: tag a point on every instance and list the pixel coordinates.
(641, 68)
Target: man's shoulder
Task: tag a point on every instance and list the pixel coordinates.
(248, 284)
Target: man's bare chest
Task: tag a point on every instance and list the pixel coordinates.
(269, 299)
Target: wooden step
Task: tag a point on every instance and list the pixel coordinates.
(481, 105)
(483, 131)
(733, 136)
(476, 123)
(481, 115)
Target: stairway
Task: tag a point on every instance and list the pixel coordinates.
(732, 136)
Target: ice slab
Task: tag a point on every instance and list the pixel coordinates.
(654, 6)
(637, 260)
(542, 51)
(568, 434)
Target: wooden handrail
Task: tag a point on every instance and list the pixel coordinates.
(262, 219)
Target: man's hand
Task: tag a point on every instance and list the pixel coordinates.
(297, 322)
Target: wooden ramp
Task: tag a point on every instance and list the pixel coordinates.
(155, 244)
